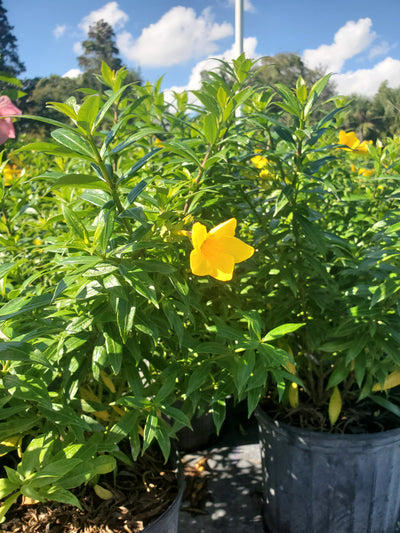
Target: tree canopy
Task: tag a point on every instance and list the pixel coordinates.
(9, 60)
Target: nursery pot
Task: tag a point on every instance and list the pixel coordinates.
(167, 522)
(317, 482)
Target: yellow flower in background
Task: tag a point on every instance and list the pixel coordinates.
(367, 172)
(353, 142)
(264, 173)
(259, 161)
(37, 241)
(10, 172)
(216, 252)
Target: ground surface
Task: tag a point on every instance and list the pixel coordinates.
(229, 490)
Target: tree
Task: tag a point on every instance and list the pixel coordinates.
(100, 46)
(287, 68)
(9, 60)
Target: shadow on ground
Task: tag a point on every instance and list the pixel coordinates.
(227, 495)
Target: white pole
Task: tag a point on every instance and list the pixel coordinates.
(238, 27)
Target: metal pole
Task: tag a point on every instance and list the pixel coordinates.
(238, 27)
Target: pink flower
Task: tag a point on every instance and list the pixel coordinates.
(6, 124)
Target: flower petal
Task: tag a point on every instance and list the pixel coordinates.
(226, 228)
(199, 264)
(237, 248)
(199, 235)
(223, 266)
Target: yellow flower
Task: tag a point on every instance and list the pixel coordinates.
(10, 173)
(216, 252)
(259, 161)
(367, 172)
(265, 173)
(37, 241)
(353, 142)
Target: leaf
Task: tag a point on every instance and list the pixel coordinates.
(218, 409)
(24, 305)
(75, 224)
(335, 406)
(80, 181)
(88, 111)
(63, 108)
(143, 132)
(134, 193)
(122, 427)
(73, 141)
(64, 496)
(210, 128)
(293, 395)
(198, 377)
(392, 380)
(150, 430)
(280, 331)
(102, 493)
(138, 165)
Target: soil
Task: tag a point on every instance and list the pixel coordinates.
(141, 492)
(365, 416)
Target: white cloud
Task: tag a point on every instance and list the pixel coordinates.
(59, 30)
(110, 13)
(349, 40)
(72, 73)
(366, 82)
(178, 36)
(194, 83)
(78, 48)
(379, 50)
(247, 5)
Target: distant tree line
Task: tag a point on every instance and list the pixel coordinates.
(370, 118)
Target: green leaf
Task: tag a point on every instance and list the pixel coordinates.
(139, 165)
(210, 128)
(386, 404)
(7, 486)
(218, 409)
(280, 331)
(114, 350)
(63, 108)
(88, 112)
(73, 141)
(134, 193)
(5, 506)
(24, 305)
(150, 430)
(143, 132)
(64, 496)
(198, 377)
(75, 224)
(80, 181)
(104, 464)
(122, 427)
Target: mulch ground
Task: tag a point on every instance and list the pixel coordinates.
(141, 493)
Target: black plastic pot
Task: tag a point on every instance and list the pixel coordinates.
(168, 521)
(329, 483)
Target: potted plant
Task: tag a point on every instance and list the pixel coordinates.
(326, 239)
(104, 329)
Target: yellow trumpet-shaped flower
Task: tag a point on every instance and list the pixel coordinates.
(367, 172)
(353, 142)
(216, 252)
(10, 173)
(259, 161)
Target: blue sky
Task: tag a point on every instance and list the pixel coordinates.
(357, 40)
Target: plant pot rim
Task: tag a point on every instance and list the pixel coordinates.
(310, 437)
(173, 508)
